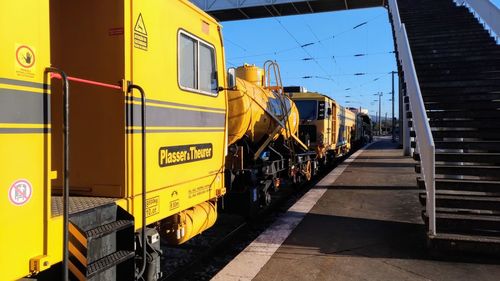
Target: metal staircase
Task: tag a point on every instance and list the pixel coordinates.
(101, 244)
(453, 111)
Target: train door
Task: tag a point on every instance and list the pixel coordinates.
(90, 46)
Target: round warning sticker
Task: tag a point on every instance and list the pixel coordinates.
(25, 56)
(20, 192)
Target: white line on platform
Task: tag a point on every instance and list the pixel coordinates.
(250, 261)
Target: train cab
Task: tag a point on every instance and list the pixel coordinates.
(325, 125)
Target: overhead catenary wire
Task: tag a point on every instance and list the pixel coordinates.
(360, 55)
(341, 74)
(302, 46)
(368, 82)
(319, 41)
(236, 44)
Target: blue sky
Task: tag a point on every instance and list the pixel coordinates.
(334, 65)
(342, 52)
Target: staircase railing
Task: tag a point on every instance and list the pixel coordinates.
(486, 12)
(424, 139)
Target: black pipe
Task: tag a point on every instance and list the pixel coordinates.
(143, 135)
(65, 190)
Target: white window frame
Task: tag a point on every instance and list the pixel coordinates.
(199, 41)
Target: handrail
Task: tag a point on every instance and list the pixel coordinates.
(86, 81)
(421, 125)
(486, 12)
(130, 88)
(65, 189)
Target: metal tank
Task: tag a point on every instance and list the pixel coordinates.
(256, 110)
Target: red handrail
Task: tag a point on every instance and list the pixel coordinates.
(85, 81)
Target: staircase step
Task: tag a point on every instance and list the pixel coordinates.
(492, 187)
(466, 243)
(430, 63)
(109, 228)
(450, 47)
(492, 146)
(490, 158)
(457, 105)
(467, 238)
(464, 83)
(428, 76)
(464, 114)
(474, 67)
(454, 51)
(434, 20)
(479, 224)
(446, 96)
(108, 262)
(463, 202)
(469, 32)
(492, 172)
(469, 157)
(460, 123)
(416, 46)
(439, 135)
(430, 11)
(427, 53)
(448, 35)
(465, 25)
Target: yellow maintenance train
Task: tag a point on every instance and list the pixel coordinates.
(327, 127)
(119, 125)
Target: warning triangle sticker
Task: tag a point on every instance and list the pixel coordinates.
(139, 26)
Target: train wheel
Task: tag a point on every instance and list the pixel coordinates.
(265, 198)
(306, 171)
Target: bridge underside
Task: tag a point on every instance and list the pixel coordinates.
(227, 10)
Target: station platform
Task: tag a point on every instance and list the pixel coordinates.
(360, 222)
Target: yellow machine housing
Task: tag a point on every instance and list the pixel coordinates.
(115, 42)
(254, 111)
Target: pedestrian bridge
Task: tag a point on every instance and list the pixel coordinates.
(226, 10)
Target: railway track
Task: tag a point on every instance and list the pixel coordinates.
(203, 256)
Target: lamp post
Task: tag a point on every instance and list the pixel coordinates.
(379, 94)
(376, 117)
(393, 124)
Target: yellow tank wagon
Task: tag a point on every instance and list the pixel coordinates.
(264, 148)
(326, 126)
(139, 140)
(255, 111)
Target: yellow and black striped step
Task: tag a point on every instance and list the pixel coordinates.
(109, 228)
(101, 244)
(108, 262)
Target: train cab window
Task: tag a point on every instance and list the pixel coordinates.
(307, 109)
(208, 74)
(197, 68)
(187, 62)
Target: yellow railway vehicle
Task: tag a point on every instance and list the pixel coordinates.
(326, 126)
(136, 136)
(264, 148)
